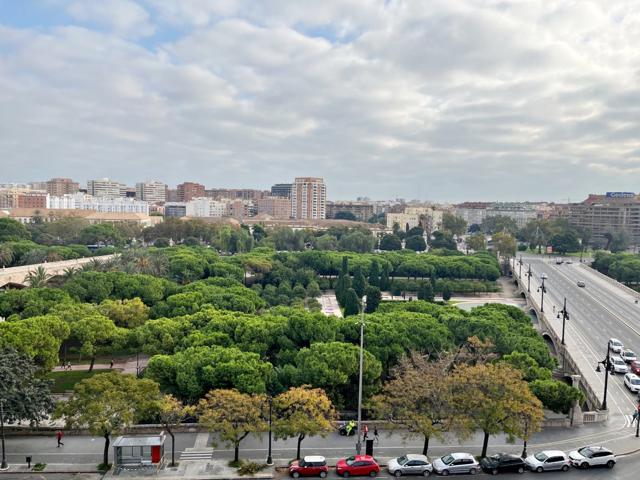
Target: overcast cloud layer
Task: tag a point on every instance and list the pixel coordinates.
(446, 100)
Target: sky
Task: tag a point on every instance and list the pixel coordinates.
(443, 100)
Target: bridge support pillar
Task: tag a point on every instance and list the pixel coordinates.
(576, 410)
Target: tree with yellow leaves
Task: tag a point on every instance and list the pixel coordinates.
(172, 412)
(301, 412)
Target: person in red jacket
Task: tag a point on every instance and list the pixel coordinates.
(59, 437)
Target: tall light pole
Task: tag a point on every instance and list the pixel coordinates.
(269, 458)
(520, 269)
(362, 307)
(529, 279)
(606, 363)
(565, 317)
(542, 289)
(3, 465)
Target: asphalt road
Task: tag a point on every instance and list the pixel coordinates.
(598, 311)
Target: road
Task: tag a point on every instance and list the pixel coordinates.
(599, 311)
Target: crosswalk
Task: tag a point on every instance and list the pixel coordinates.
(196, 454)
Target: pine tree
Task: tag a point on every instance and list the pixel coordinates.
(425, 292)
(345, 265)
(385, 283)
(342, 285)
(374, 297)
(351, 303)
(446, 292)
(374, 274)
(359, 282)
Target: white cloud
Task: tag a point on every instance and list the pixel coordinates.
(123, 16)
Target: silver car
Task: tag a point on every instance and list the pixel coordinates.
(456, 463)
(410, 464)
(548, 460)
(628, 356)
(592, 457)
(615, 345)
(618, 365)
(632, 382)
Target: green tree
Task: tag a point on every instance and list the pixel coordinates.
(356, 241)
(125, 313)
(567, 241)
(359, 281)
(425, 292)
(454, 224)
(477, 242)
(233, 416)
(374, 297)
(385, 283)
(12, 230)
(101, 234)
(499, 223)
(108, 403)
(528, 366)
(415, 243)
(161, 243)
(390, 242)
(313, 290)
(351, 303)
(374, 274)
(172, 412)
(24, 393)
(303, 412)
(443, 240)
(556, 395)
(95, 333)
(505, 243)
(345, 216)
(37, 278)
(446, 292)
(6, 255)
(619, 241)
(326, 242)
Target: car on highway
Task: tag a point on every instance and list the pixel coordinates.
(615, 345)
(635, 367)
(580, 283)
(558, 261)
(454, 463)
(548, 460)
(632, 382)
(594, 456)
(568, 262)
(309, 466)
(502, 462)
(357, 465)
(628, 356)
(410, 464)
(618, 365)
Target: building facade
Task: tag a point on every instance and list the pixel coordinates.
(190, 190)
(80, 201)
(33, 199)
(56, 187)
(281, 190)
(363, 211)
(151, 191)
(427, 217)
(276, 207)
(309, 198)
(175, 209)
(206, 207)
(104, 188)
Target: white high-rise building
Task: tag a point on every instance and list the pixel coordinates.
(309, 198)
(151, 191)
(206, 207)
(80, 201)
(104, 188)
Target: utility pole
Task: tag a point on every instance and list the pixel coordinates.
(359, 443)
(542, 289)
(3, 465)
(529, 279)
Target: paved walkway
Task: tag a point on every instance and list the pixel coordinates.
(329, 304)
(128, 365)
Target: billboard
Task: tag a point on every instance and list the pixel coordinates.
(620, 195)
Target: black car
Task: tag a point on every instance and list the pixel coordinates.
(502, 462)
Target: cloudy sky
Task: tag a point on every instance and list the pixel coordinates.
(445, 100)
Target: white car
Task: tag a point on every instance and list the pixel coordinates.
(618, 365)
(628, 356)
(632, 381)
(456, 463)
(410, 464)
(548, 460)
(615, 345)
(587, 457)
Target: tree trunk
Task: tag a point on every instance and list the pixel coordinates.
(425, 447)
(173, 448)
(485, 443)
(93, 361)
(300, 438)
(236, 452)
(105, 457)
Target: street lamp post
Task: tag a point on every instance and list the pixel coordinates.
(565, 317)
(526, 435)
(3, 465)
(529, 279)
(520, 269)
(606, 363)
(542, 289)
(362, 307)
(269, 459)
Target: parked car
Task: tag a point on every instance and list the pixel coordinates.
(548, 460)
(568, 262)
(635, 367)
(456, 463)
(502, 462)
(357, 465)
(309, 466)
(410, 464)
(580, 283)
(586, 457)
(618, 365)
(632, 381)
(615, 345)
(628, 356)
(558, 261)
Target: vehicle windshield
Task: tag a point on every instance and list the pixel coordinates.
(585, 452)
(635, 381)
(350, 460)
(616, 343)
(497, 456)
(629, 353)
(447, 459)
(402, 460)
(541, 456)
(618, 361)
(302, 463)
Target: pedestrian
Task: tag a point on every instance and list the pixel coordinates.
(69, 365)
(554, 309)
(376, 438)
(59, 437)
(111, 364)
(365, 431)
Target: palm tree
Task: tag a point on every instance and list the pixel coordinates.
(69, 273)
(6, 255)
(37, 278)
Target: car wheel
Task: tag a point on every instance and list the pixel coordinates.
(565, 468)
(397, 473)
(295, 475)
(345, 475)
(610, 464)
(521, 470)
(426, 473)
(584, 465)
(494, 471)
(539, 469)
(373, 473)
(473, 471)
(444, 473)
(323, 474)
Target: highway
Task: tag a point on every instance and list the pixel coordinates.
(601, 310)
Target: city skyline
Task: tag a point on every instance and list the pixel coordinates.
(491, 101)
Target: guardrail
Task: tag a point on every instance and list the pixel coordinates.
(612, 281)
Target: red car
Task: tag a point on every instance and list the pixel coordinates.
(309, 466)
(358, 465)
(635, 367)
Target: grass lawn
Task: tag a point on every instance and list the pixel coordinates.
(63, 381)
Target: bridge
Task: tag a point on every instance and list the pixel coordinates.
(16, 275)
(600, 310)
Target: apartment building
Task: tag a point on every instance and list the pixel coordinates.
(80, 201)
(33, 199)
(190, 190)
(362, 210)
(151, 191)
(105, 188)
(206, 207)
(309, 198)
(429, 217)
(276, 207)
(281, 190)
(56, 187)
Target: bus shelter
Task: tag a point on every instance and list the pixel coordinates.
(134, 452)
